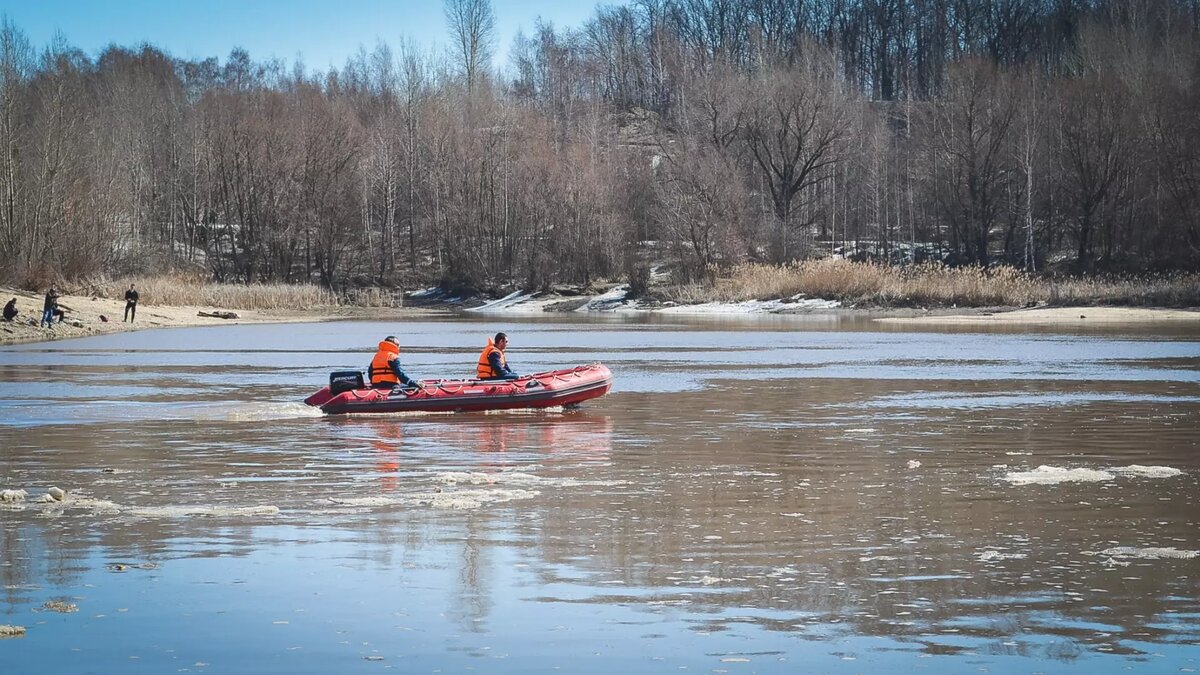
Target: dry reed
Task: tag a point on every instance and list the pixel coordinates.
(190, 291)
(935, 285)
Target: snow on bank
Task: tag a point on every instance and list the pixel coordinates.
(617, 300)
(791, 304)
(1053, 475)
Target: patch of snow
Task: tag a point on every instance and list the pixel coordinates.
(514, 298)
(613, 300)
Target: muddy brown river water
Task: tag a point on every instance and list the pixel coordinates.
(775, 495)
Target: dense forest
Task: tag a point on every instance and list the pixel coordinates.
(1051, 135)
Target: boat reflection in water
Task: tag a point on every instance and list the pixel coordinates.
(409, 442)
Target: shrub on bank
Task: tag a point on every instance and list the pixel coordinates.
(934, 284)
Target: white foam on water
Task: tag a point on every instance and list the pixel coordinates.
(1150, 553)
(511, 478)
(255, 412)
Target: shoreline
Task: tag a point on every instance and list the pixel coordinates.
(83, 314)
(83, 317)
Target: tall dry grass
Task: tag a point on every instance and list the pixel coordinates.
(935, 285)
(191, 291)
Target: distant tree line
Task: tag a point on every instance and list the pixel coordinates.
(1047, 134)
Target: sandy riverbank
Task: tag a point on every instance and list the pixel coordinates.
(83, 317)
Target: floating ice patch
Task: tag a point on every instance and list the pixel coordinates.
(11, 496)
(992, 555)
(1152, 553)
(1148, 471)
(914, 464)
(7, 631)
(103, 506)
(457, 500)
(201, 511)
(1053, 475)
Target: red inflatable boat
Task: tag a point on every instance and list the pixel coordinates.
(542, 390)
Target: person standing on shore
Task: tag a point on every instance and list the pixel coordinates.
(131, 301)
(48, 308)
(492, 363)
(385, 370)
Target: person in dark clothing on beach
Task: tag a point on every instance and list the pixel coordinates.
(48, 307)
(10, 310)
(131, 301)
(492, 364)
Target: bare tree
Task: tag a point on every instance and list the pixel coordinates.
(795, 123)
(473, 31)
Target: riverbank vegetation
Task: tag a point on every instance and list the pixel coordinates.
(699, 135)
(194, 291)
(935, 285)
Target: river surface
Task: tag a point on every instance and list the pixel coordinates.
(774, 495)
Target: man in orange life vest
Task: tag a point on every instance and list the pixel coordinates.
(385, 367)
(492, 364)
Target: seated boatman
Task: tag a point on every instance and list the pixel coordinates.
(492, 364)
(385, 368)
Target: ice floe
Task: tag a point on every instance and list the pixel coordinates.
(992, 555)
(1053, 475)
(1149, 553)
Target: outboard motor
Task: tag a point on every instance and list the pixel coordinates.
(345, 380)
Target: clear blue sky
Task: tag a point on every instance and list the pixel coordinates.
(325, 32)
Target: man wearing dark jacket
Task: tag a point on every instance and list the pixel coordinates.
(49, 306)
(131, 300)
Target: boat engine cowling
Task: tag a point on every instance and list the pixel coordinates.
(345, 380)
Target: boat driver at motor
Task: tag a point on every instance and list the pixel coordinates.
(492, 364)
(385, 368)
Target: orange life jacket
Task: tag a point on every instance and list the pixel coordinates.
(381, 368)
(485, 370)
